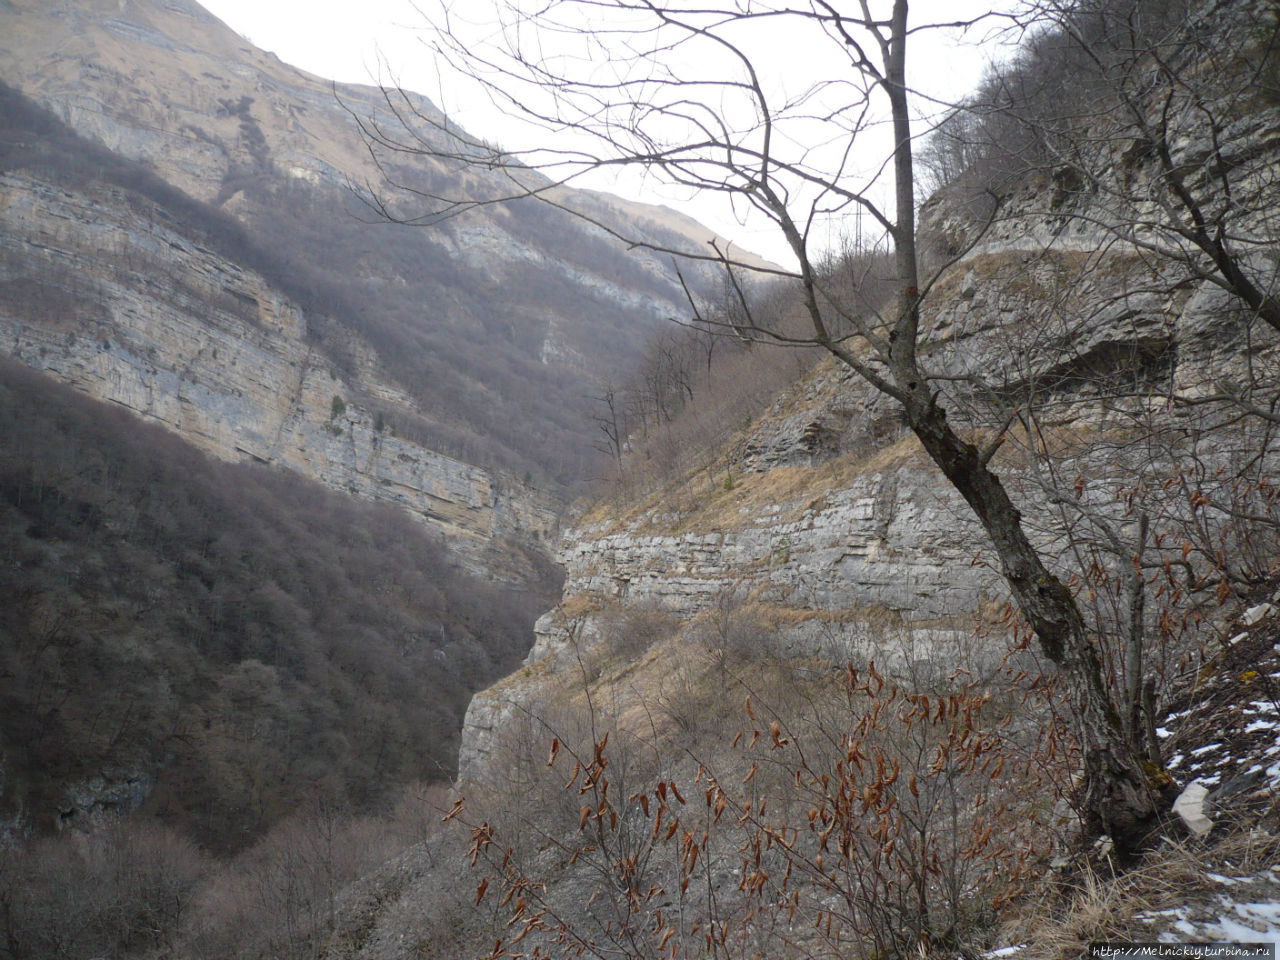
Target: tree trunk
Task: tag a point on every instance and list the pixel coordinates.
(1116, 796)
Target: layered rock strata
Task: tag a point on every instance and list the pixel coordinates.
(838, 524)
(210, 350)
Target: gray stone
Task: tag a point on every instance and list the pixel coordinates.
(1257, 614)
(110, 794)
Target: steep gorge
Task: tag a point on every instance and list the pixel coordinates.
(817, 536)
(179, 239)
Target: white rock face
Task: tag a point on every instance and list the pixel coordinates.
(894, 546)
(888, 540)
(486, 718)
(221, 359)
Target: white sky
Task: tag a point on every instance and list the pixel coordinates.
(372, 41)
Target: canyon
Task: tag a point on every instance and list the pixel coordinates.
(203, 264)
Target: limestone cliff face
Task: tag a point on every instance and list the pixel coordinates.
(212, 351)
(836, 526)
(877, 541)
(834, 570)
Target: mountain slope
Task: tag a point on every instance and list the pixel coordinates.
(153, 593)
(489, 323)
(120, 284)
(216, 641)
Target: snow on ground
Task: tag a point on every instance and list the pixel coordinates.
(1246, 910)
(1224, 731)
(1222, 728)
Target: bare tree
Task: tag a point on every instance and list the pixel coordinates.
(611, 419)
(684, 92)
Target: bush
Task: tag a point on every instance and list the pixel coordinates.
(121, 891)
(872, 822)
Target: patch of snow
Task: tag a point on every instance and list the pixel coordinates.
(1235, 923)
(1225, 881)
(1005, 951)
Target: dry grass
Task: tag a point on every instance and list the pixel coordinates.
(1062, 916)
(578, 605)
(702, 500)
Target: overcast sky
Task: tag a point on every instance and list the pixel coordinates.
(385, 41)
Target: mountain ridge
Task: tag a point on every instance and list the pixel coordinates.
(490, 323)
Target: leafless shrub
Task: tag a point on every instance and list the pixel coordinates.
(281, 897)
(123, 890)
(630, 629)
(854, 816)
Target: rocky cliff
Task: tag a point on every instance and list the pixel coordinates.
(1128, 403)
(840, 537)
(211, 350)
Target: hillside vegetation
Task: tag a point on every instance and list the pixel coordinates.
(230, 639)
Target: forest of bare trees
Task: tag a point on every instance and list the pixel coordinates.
(259, 640)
